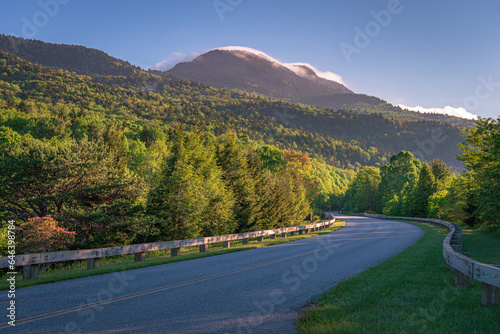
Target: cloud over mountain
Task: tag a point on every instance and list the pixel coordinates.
(295, 67)
(447, 110)
(177, 57)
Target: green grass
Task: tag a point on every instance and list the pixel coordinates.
(412, 292)
(483, 246)
(126, 262)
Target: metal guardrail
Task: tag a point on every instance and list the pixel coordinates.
(461, 264)
(31, 262)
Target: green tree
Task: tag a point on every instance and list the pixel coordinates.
(456, 203)
(426, 186)
(442, 173)
(191, 196)
(9, 138)
(444, 183)
(481, 156)
(241, 169)
(272, 158)
(397, 181)
(40, 178)
(363, 192)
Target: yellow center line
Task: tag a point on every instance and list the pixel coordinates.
(168, 287)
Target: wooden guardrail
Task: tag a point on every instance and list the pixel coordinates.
(461, 264)
(31, 262)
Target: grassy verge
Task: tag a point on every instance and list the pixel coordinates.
(482, 246)
(126, 262)
(412, 292)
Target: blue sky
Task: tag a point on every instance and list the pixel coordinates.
(416, 53)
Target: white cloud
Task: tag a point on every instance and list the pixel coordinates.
(247, 49)
(448, 110)
(177, 57)
(325, 75)
(173, 59)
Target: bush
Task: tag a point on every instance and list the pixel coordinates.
(41, 234)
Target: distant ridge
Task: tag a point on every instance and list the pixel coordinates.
(73, 58)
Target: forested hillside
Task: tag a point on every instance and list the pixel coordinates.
(73, 58)
(373, 105)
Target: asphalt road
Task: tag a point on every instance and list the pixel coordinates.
(254, 291)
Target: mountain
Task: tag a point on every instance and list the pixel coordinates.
(239, 69)
(253, 71)
(73, 58)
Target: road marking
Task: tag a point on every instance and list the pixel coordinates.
(171, 286)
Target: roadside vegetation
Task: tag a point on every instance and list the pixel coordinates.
(406, 187)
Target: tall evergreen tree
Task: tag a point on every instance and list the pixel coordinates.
(240, 173)
(191, 196)
(425, 187)
(40, 178)
(363, 191)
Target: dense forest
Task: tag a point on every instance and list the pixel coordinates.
(107, 150)
(406, 187)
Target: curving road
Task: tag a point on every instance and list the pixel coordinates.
(254, 291)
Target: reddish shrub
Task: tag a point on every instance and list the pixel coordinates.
(41, 234)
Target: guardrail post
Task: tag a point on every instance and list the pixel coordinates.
(226, 244)
(140, 257)
(461, 279)
(490, 295)
(30, 271)
(204, 248)
(283, 234)
(244, 241)
(260, 239)
(175, 252)
(273, 236)
(93, 263)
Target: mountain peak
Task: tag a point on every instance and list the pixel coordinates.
(301, 69)
(252, 70)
